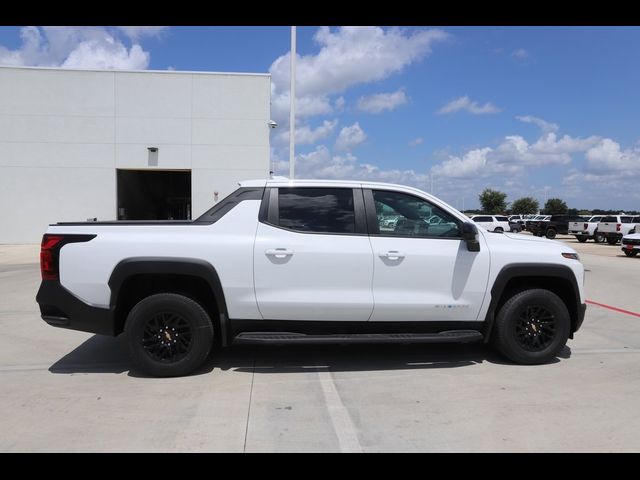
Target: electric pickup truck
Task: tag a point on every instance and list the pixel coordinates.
(302, 262)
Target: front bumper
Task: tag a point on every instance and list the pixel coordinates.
(582, 310)
(60, 308)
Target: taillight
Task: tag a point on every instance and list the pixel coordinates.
(618, 227)
(49, 257)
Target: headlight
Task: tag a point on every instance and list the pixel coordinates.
(572, 256)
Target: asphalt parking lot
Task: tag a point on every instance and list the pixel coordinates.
(63, 390)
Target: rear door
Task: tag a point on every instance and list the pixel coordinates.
(312, 255)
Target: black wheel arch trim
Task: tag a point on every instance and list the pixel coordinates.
(535, 270)
(193, 267)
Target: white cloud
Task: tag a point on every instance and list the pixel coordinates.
(321, 163)
(607, 157)
(350, 137)
(416, 141)
(306, 135)
(513, 154)
(520, 54)
(75, 47)
(542, 124)
(138, 32)
(348, 56)
(465, 103)
(380, 102)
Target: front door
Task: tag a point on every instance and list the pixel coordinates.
(312, 256)
(423, 270)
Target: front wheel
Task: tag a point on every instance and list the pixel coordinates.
(630, 253)
(168, 335)
(550, 234)
(598, 237)
(532, 327)
(498, 230)
(612, 240)
(581, 239)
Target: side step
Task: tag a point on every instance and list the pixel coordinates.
(452, 336)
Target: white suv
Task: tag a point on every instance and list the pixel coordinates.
(493, 223)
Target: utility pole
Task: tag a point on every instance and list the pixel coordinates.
(292, 110)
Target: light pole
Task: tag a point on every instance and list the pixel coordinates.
(292, 110)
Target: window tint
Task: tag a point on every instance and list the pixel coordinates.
(404, 215)
(625, 219)
(321, 210)
(609, 219)
(596, 219)
(482, 219)
(502, 219)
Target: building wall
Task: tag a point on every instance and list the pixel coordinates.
(63, 134)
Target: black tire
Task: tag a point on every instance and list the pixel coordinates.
(598, 237)
(168, 315)
(525, 339)
(630, 253)
(498, 230)
(612, 240)
(581, 239)
(550, 233)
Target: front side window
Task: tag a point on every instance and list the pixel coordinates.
(317, 210)
(502, 219)
(400, 214)
(482, 219)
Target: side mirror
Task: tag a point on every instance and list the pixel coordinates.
(471, 236)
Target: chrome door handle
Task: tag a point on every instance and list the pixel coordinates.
(392, 255)
(279, 252)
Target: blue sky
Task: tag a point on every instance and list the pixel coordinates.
(540, 111)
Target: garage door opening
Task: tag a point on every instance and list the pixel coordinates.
(154, 195)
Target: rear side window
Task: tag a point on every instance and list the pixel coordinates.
(318, 210)
(625, 219)
(482, 219)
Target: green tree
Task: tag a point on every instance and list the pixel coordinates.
(493, 201)
(555, 206)
(525, 206)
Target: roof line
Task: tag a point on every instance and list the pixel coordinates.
(194, 72)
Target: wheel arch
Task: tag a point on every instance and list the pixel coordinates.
(135, 278)
(514, 278)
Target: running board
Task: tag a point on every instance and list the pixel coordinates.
(453, 336)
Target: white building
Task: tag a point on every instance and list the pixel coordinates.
(78, 144)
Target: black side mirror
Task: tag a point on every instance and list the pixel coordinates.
(471, 236)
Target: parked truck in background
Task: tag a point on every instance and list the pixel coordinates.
(588, 229)
(614, 227)
(556, 224)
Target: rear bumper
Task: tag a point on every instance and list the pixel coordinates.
(60, 308)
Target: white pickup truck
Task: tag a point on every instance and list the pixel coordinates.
(614, 227)
(298, 262)
(584, 231)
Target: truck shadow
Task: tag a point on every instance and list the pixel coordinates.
(100, 354)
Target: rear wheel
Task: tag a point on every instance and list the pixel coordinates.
(532, 327)
(598, 237)
(168, 335)
(630, 253)
(498, 230)
(612, 240)
(581, 239)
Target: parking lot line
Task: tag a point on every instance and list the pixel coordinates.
(615, 309)
(342, 424)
